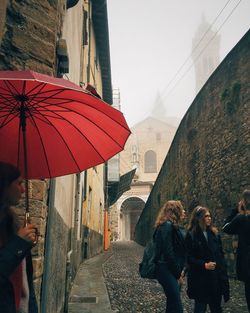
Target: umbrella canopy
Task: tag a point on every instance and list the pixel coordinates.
(54, 126)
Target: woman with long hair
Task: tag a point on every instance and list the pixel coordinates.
(238, 223)
(207, 272)
(16, 282)
(171, 253)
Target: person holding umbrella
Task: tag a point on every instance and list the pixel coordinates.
(16, 282)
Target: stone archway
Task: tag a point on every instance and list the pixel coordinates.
(130, 212)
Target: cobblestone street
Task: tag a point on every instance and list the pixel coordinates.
(131, 294)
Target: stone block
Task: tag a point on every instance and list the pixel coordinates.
(39, 190)
(37, 266)
(38, 249)
(35, 47)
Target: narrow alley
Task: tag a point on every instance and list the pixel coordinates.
(126, 291)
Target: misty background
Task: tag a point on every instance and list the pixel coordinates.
(151, 45)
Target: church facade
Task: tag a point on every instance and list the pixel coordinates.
(145, 152)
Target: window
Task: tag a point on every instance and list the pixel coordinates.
(150, 164)
(84, 193)
(89, 206)
(85, 28)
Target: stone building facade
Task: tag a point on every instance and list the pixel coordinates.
(208, 162)
(68, 39)
(144, 151)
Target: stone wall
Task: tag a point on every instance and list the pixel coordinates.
(92, 243)
(29, 31)
(38, 212)
(56, 276)
(29, 35)
(208, 162)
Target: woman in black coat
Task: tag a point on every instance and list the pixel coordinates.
(171, 253)
(16, 282)
(238, 223)
(207, 274)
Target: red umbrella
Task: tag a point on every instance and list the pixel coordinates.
(51, 127)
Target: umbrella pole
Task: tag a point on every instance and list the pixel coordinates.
(23, 125)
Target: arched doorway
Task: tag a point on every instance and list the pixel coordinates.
(130, 212)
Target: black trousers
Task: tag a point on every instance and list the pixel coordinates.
(214, 305)
(247, 293)
(171, 289)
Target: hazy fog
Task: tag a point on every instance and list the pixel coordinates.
(151, 39)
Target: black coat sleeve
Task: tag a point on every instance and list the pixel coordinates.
(166, 231)
(233, 224)
(11, 256)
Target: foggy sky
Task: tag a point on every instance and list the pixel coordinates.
(151, 39)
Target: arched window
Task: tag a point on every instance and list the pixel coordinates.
(150, 164)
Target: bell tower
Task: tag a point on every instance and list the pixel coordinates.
(205, 53)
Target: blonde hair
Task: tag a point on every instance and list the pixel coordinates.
(170, 211)
(197, 216)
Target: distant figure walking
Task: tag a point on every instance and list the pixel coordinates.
(172, 254)
(238, 223)
(207, 273)
(16, 282)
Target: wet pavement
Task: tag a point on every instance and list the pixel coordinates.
(111, 281)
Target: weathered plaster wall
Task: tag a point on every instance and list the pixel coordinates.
(209, 159)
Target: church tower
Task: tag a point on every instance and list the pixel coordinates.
(205, 53)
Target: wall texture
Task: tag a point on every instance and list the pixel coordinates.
(44, 36)
(29, 34)
(209, 159)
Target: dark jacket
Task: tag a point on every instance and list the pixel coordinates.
(239, 224)
(202, 284)
(171, 247)
(11, 255)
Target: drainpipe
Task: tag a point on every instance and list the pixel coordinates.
(106, 222)
(89, 42)
(68, 280)
(45, 280)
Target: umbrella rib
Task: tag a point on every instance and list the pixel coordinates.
(42, 143)
(49, 91)
(4, 92)
(62, 140)
(10, 112)
(78, 101)
(11, 101)
(70, 100)
(6, 82)
(80, 133)
(72, 110)
(6, 121)
(18, 154)
(51, 104)
(62, 118)
(44, 99)
(41, 84)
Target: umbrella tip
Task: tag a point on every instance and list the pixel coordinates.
(21, 98)
(92, 90)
